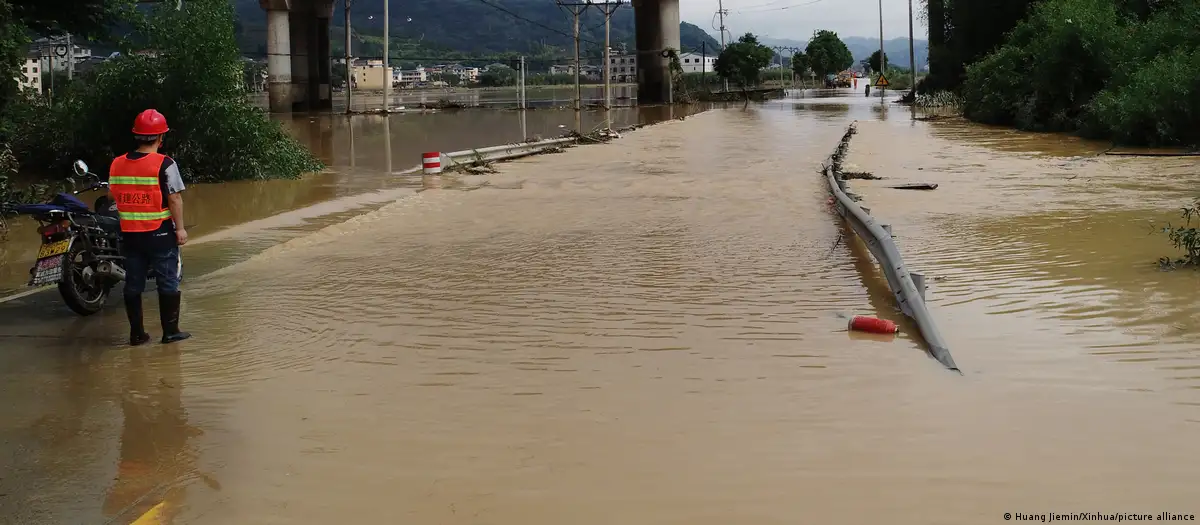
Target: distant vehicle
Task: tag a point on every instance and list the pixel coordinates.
(841, 80)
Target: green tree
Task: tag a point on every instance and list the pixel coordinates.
(742, 61)
(449, 78)
(873, 62)
(1118, 70)
(968, 31)
(197, 80)
(253, 73)
(498, 77)
(21, 18)
(827, 53)
(801, 64)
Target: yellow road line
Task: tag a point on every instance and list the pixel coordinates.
(152, 516)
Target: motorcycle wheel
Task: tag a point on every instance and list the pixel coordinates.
(82, 297)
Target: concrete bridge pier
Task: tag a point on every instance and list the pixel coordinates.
(657, 30)
(299, 68)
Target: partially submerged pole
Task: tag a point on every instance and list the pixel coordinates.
(912, 53)
(387, 70)
(349, 67)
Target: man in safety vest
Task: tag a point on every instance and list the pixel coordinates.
(146, 186)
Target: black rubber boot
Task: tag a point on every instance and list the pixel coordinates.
(168, 311)
(137, 330)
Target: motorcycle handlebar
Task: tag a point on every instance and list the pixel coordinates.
(96, 186)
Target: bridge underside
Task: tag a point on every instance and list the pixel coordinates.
(657, 30)
(299, 66)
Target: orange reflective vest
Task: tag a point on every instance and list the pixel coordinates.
(135, 186)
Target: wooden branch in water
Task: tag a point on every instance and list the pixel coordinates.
(915, 186)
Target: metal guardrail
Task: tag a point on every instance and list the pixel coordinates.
(908, 288)
(503, 152)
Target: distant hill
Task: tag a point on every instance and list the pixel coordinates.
(470, 27)
(862, 47)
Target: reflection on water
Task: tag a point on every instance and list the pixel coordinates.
(91, 435)
(155, 460)
(648, 330)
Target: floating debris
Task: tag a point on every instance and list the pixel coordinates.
(915, 186)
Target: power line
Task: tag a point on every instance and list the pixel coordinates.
(532, 22)
(781, 8)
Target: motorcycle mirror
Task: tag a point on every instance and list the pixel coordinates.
(81, 168)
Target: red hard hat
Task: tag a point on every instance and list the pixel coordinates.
(150, 122)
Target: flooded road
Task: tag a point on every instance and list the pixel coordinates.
(363, 173)
(645, 331)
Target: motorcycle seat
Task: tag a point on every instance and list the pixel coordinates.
(39, 209)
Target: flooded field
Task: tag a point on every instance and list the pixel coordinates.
(507, 97)
(645, 331)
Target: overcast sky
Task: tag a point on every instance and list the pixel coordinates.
(802, 17)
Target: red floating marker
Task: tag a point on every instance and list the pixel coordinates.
(874, 325)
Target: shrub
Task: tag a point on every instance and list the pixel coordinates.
(1156, 105)
(1186, 238)
(196, 80)
(1054, 62)
(1120, 70)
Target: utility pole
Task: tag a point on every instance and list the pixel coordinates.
(704, 63)
(577, 9)
(70, 58)
(51, 78)
(521, 94)
(912, 53)
(387, 60)
(882, 57)
(349, 67)
(722, 12)
(609, 7)
(780, 50)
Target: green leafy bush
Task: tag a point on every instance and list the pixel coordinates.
(1156, 105)
(194, 77)
(1120, 70)
(1186, 238)
(1054, 62)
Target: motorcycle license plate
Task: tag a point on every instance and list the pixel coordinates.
(48, 271)
(49, 266)
(54, 248)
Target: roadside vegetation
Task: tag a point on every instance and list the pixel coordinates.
(192, 72)
(1124, 70)
(1186, 238)
(742, 62)
(825, 54)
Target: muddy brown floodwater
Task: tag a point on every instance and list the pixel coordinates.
(363, 174)
(645, 331)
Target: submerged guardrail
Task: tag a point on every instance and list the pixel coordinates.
(503, 152)
(908, 288)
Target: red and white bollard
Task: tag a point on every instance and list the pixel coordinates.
(432, 162)
(875, 325)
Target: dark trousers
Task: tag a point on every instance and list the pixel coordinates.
(166, 265)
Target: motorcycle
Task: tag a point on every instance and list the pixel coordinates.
(81, 247)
